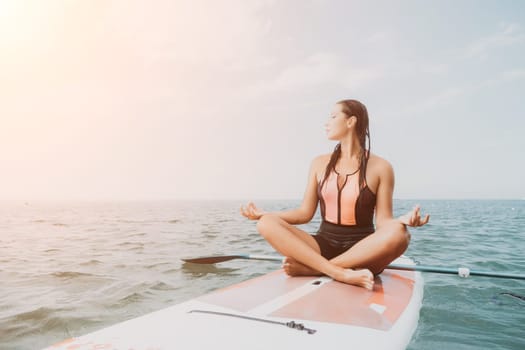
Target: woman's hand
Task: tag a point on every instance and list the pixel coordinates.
(252, 212)
(413, 218)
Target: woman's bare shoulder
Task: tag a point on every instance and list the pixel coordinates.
(319, 164)
(321, 160)
(380, 164)
(323, 157)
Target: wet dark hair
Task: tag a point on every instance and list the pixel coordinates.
(353, 108)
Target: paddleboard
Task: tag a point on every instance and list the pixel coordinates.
(275, 311)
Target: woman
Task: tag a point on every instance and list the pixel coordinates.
(350, 183)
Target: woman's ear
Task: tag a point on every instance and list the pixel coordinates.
(351, 122)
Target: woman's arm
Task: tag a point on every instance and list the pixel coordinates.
(384, 199)
(384, 193)
(297, 216)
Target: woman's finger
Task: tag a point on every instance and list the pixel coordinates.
(413, 216)
(248, 211)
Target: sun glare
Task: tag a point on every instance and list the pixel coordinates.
(21, 20)
(11, 12)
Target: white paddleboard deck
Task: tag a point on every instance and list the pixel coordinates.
(340, 314)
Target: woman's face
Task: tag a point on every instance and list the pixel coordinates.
(337, 125)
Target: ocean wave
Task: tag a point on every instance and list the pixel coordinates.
(136, 234)
(133, 244)
(162, 286)
(51, 250)
(37, 314)
(151, 266)
(70, 274)
(24, 324)
(131, 298)
(90, 262)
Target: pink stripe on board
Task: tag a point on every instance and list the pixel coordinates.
(336, 302)
(252, 293)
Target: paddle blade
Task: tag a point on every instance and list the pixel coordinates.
(212, 259)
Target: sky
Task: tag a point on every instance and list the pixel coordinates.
(146, 100)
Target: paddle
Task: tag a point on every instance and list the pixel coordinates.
(462, 271)
(221, 258)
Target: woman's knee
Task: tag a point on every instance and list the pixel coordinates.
(266, 224)
(398, 236)
(401, 238)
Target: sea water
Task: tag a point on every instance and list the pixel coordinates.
(69, 268)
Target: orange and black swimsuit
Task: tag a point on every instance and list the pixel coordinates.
(347, 214)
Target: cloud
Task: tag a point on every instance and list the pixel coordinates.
(515, 74)
(509, 34)
(502, 78)
(443, 97)
(317, 70)
(451, 94)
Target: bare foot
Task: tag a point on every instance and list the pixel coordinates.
(361, 278)
(293, 267)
